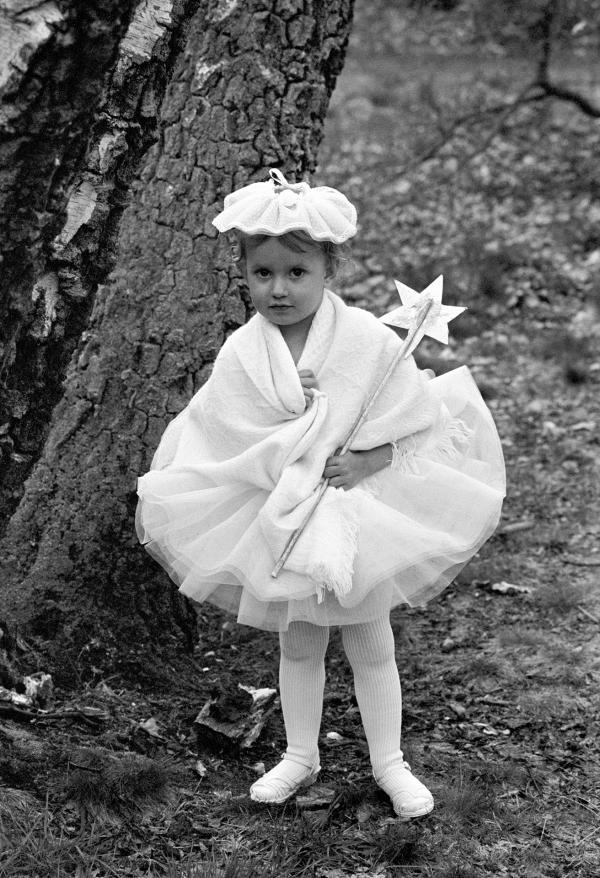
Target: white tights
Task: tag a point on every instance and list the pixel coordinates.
(369, 647)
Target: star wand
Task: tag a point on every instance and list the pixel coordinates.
(421, 314)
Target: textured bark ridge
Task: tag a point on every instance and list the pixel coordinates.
(80, 85)
(249, 90)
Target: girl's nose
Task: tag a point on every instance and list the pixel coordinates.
(279, 287)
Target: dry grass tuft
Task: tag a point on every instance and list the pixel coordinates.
(562, 595)
(492, 774)
(237, 865)
(99, 781)
(481, 666)
(397, 845)
(456, 871)
(469, 799)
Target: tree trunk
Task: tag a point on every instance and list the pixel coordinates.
(80, 85)
(249, 90)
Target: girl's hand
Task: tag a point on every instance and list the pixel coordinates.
(309, 383)
(346, 470)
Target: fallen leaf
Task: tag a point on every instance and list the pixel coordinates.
(334, 737)
(458, 709)
(260, 697)
(364, 812)
(151, 727)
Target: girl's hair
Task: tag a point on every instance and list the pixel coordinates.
(297, 242)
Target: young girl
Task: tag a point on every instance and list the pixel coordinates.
(235, 473)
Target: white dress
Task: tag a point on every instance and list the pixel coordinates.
(236, 471)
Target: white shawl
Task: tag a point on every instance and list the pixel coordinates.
(248, 426)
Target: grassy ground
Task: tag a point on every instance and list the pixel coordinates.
(500, 676)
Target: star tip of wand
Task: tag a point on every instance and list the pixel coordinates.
(403, 288)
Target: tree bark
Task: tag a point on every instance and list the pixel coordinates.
(249, 90)
(80, 85)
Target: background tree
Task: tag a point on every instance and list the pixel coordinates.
(80, 86)
(248, 88)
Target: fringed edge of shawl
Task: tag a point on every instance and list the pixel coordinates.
(403, 454)
(335, 574)
(455, 435)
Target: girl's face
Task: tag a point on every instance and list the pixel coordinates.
(286, 287)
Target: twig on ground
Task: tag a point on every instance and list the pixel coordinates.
(514, 526)
(582, 803)
(540, 839)
(582, 562)
(589, 615)
(588, 836)
(90, 715)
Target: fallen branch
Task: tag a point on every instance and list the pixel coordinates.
(11, 711)
(521, 99)
(549, 89)
(563, 93)
(90, 715)
(506, 108)
(538, 89)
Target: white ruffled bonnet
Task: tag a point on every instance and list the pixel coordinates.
(276, 207)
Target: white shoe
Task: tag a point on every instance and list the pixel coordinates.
(410, 798)
(283, 781)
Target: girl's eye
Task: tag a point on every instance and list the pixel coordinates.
(262, 272)
(297, 272)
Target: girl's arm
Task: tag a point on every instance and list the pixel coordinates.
(346, 470)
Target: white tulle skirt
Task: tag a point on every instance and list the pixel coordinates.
(419, 525)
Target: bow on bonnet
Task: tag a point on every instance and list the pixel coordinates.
(276, 207)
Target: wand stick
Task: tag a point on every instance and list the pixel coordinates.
(410, 342)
